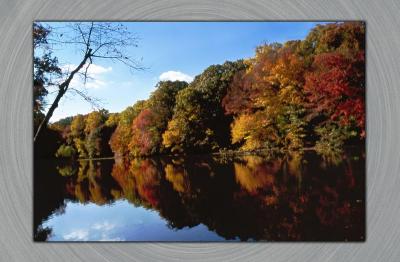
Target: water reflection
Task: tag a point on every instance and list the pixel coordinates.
(196, 198)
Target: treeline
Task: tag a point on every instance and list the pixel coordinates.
(301, 94)
(85, 136)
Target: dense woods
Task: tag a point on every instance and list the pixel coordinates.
(287, 97)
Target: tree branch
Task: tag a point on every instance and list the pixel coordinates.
(108, 40)
(94, 102)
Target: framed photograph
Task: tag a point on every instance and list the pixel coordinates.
(199, 131)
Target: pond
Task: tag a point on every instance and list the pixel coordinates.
(297, 197)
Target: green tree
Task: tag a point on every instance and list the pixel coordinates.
(199, 122)
(45, 67)
(94, 124)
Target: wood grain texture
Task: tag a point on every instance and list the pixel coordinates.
(383, 128)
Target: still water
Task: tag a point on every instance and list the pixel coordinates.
(202, 198)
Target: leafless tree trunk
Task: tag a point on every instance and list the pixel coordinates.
(62, 89)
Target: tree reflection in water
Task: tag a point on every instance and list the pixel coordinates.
(301, 197)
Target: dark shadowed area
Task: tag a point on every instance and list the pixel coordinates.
(202, 198)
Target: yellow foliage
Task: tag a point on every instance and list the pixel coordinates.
(77, 125)
(242, 127)
(254, 130)
(172, 135)
(112, 120)
(92, 121)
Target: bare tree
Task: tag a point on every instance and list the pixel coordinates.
(94, 40)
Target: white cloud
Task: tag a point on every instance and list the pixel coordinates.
(175, 75)
(94, 73)
(106, 229)
(100, 231)
(93, 69)
(95, 83)
(78, 235)
(97, 69)
(106, 226)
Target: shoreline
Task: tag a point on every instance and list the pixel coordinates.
(222, 153)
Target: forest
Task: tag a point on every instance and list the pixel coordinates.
(300, 95)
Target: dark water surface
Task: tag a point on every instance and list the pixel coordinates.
(202, 198)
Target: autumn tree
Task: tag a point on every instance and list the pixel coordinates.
(287, 97)
(199, 122)
(299, 93)
(335, 84)
(267, 100)
(77, 135)
(150, 124)
(87, 136)
(122, 135)
(94, 124)
(345, 37)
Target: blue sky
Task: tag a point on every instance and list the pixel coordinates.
(185, 48)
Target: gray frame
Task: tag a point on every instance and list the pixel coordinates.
(383, 145)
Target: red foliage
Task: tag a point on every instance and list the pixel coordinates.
(142, 137)
(239, 96)
(336, 87)
(143, 120)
